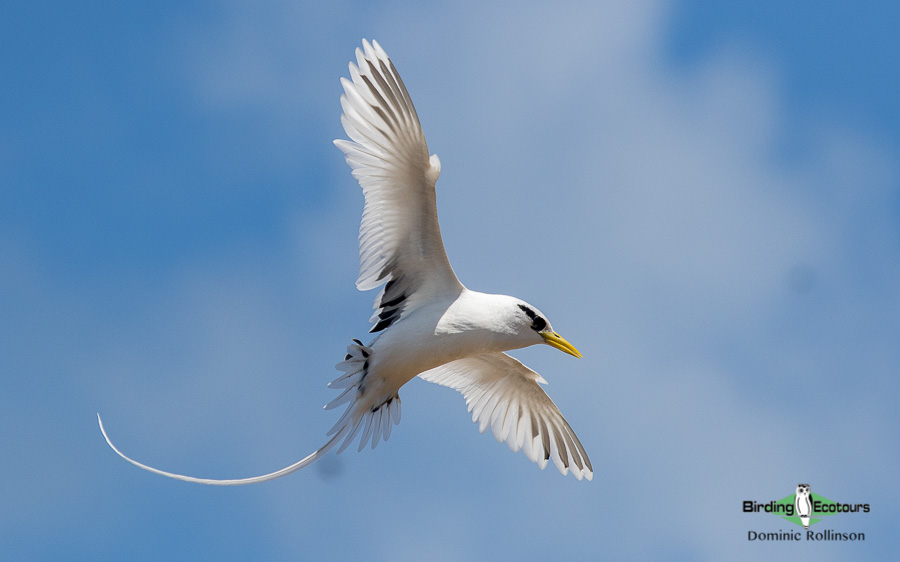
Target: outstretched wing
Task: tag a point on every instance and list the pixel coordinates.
(399, 237)
(504, 394)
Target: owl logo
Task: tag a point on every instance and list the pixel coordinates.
(803, 504)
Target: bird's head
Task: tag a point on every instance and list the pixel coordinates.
(537, 323)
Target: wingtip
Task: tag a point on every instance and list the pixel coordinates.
(370, 52)
(380, 51)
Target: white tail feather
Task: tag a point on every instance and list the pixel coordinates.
(306, 461)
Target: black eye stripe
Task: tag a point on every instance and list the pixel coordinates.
(537, 323)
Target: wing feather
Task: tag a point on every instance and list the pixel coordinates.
(400, 242)
(504, 394)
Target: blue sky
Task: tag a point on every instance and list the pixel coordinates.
(703, 196)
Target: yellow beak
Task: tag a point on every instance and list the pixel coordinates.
(557, 341)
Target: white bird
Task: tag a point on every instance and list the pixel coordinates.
(427, 323)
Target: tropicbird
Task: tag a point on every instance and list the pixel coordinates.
(427, 323)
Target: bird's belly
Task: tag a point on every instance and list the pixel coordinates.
(401, 362)
(397, 358)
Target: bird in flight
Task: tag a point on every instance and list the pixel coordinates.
(426, 323)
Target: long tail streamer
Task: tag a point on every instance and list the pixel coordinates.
(306, 461)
